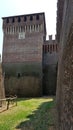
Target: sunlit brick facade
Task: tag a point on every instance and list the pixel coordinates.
(23, 53)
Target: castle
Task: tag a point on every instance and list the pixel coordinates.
(29, 61)
(64, 94)
(2, 91)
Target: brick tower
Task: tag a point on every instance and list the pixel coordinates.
(2, 91)
(22, 53)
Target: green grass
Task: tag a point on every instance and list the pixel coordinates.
(29, 114)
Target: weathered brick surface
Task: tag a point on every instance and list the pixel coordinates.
(28, 48)
(22, 50)
(2, 90)
(29, 86)
(65, 69)
(27, 55)
(50, 61)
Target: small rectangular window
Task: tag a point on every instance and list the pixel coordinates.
(37, 17)
(18, 75)
(45, 48)
(12, 20)
(19, 19)
(50, 48)
(31, 18)
(21, 35)
(7, 21)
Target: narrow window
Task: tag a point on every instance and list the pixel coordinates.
(12, 20)
(18, 75)
(19, 19)
(50, 49)
(31, 27)
(37, 17)
(7, 21)
(45, 48)
(31, 18)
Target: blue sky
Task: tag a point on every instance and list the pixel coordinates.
(19, 7)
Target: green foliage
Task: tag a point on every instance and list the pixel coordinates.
(29, 114)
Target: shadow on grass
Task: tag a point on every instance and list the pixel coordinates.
(40, 119)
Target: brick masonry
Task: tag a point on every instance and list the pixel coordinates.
(65, 68)
(2, 90)
(23, 54)
(50, 62)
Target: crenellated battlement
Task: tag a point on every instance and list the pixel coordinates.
(50, 45)
(24, 23)
(51, 38)
(24, 18)
(50, 48)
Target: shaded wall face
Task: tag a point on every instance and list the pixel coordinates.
(28, 86)
(65, 70)
(50, 73)
(50, 62)
(65, 92)
(49, 79)
(23, 79)
(24, 69)
(50, 58)
(2, 89)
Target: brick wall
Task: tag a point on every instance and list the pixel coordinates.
(2, 90)
(28, 86)
(26, 52)
(22, 49)
(65, 70)
(50, 62)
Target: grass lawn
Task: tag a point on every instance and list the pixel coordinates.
(29, 114)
